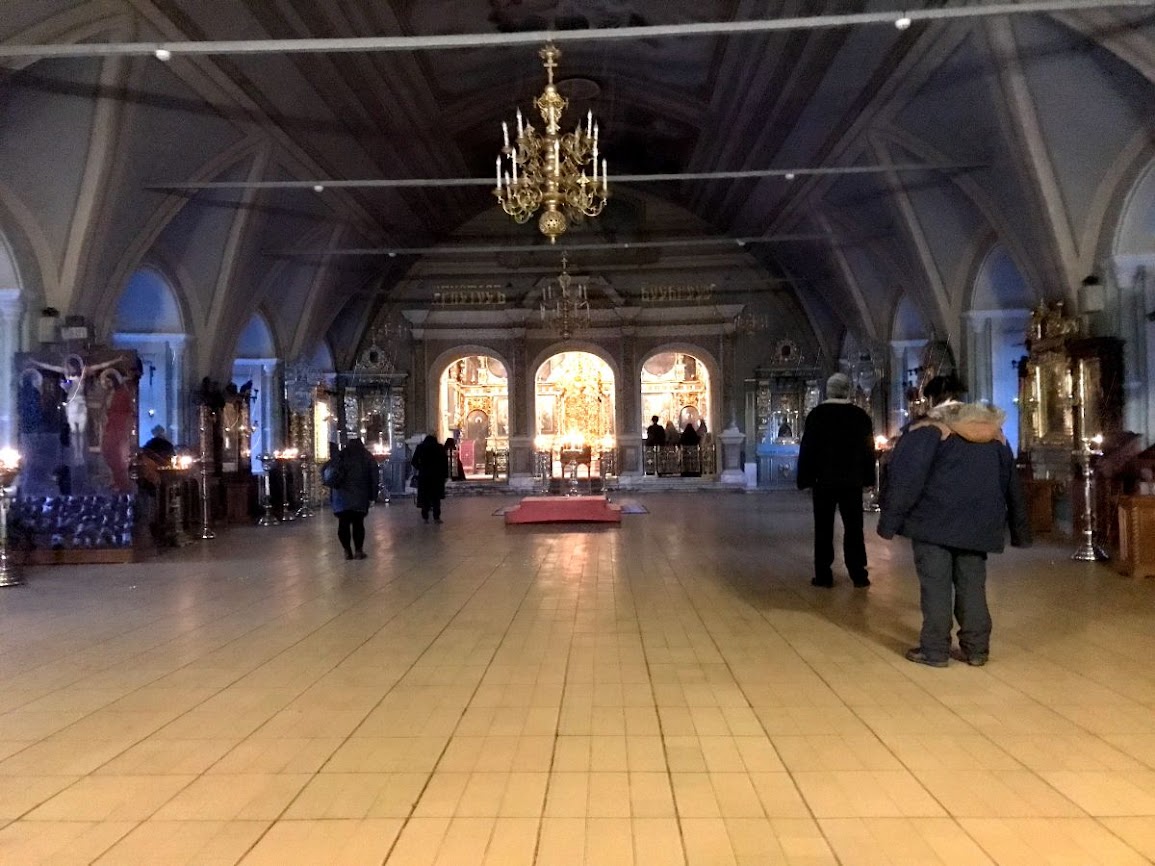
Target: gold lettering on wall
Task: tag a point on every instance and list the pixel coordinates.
(469, 295)
(678, 293)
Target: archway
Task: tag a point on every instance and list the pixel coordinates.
(473, 402)
(997, 325)
(148, 320)
(676, 388)
(574, 405)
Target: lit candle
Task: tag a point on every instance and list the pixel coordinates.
(605, 177)
(590, 122)
(595, 133)
(505, 132)
(557, 154)
(514, 161)
(499, 172)
(520, 129)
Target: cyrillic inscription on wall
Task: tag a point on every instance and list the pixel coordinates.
(678, 293)
(469, 295)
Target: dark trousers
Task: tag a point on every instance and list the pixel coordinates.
(848, 502)
(434, 504)
(351, 526)
(952, 579)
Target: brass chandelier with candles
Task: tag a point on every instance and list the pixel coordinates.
(565, 306)
(556, 172)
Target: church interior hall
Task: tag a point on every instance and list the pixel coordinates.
(668, 692)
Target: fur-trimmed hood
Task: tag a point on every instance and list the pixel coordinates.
(974, 422)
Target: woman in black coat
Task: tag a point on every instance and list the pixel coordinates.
(432, 467)
(351, 476)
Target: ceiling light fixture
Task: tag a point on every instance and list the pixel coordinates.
(163, 55)
(903, 23)
(564, 305)
(789, 175)
(317, 187)
(548, 170)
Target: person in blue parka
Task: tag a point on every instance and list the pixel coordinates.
(953, 490)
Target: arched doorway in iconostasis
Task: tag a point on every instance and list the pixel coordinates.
(574, 406)
(474, 410)
(676, 388)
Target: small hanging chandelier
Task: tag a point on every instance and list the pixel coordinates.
(548, 170)
(565, 307)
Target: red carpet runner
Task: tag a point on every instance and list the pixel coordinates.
(564, 509)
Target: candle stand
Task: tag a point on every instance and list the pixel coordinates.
(206, 417)
(267, 519)
(305, 466)
(1088, 550)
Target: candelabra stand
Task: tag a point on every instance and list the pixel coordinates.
(175, 502)
(267, 519)
(206, 413)
(543, 469)
(1088, 550)
(873, 503)
(8, 576)
(305, 465)
(572, 488)
(286, 464)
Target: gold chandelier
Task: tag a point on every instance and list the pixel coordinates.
(565, 307)
(548, 170)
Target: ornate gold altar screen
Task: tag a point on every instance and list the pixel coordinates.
(575, 404)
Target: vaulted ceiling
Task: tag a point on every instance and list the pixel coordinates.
(951, 138)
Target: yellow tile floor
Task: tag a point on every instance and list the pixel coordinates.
(671, 691)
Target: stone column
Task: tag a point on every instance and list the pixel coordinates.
(630, 431)
(11, 315)
(1131, 299)
(900, 354)
(521, 425)
(979, 355)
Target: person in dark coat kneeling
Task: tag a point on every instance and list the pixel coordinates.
(952, 489)
(432, 466)
(351, 476)
(836, 459)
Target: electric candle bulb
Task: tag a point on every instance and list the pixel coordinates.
(505, 132)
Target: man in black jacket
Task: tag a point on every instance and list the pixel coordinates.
(952, 489)
(836, 459)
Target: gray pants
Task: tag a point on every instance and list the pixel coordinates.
(946, 575)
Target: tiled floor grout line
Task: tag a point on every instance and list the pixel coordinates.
(737, 684)
(661, 727)
(337, 615)
(502, 632)
(161, 727)
(448, 625)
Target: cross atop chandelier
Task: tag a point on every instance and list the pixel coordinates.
(565, 307)
(548, 169)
